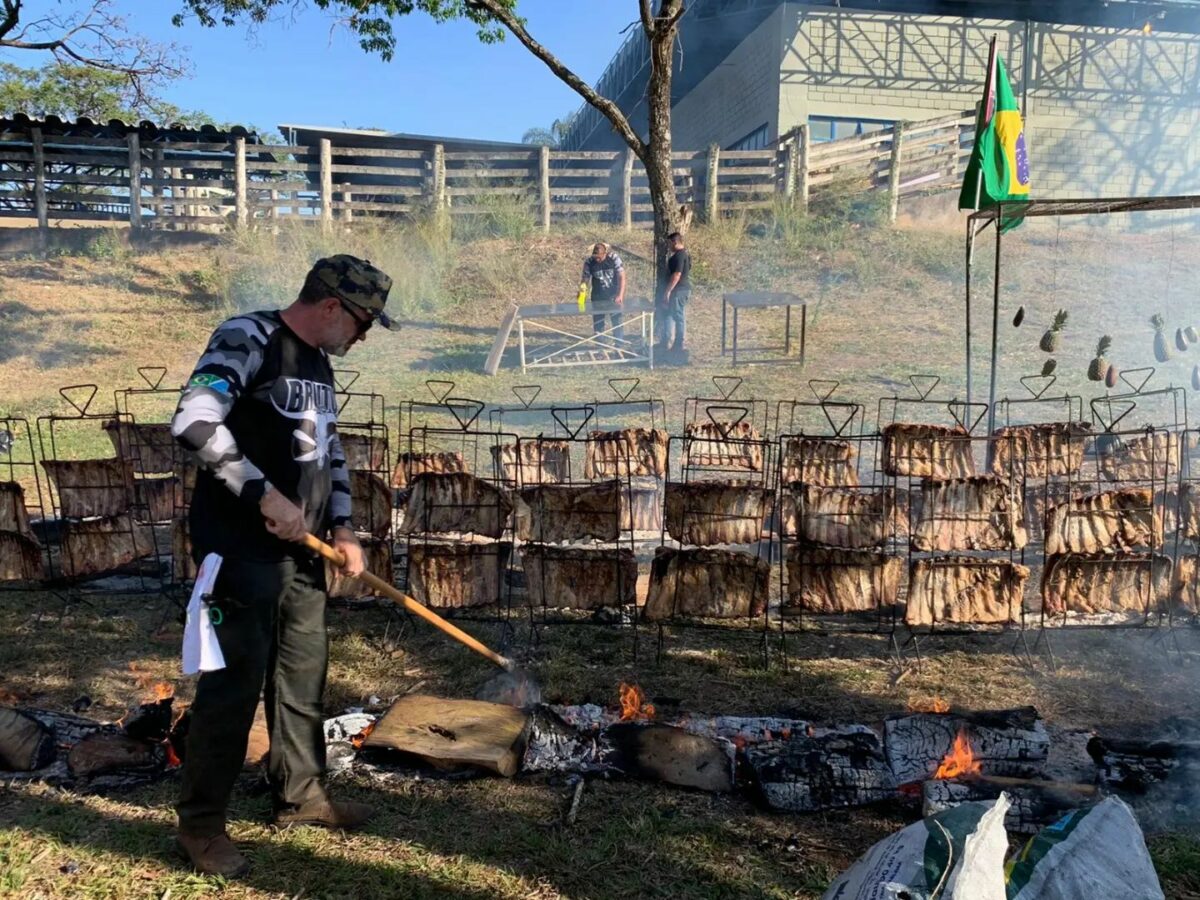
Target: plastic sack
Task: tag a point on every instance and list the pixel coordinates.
(953, 855)
(1087, 854)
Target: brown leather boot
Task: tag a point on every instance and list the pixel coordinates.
(325, 813)
(213, 854)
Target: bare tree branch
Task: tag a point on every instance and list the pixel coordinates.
(647, 18)
(674, 18)
(12, 15)
(610, 110)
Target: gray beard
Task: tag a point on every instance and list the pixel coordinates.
(339, 350)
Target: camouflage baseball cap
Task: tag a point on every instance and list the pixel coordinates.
(358, 282)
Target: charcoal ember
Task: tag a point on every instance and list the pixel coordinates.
(1039, 450)
(91, 546)
(806, 773)
(21, 558)
(455, 502)
(627, 452)
(149, 447)
(411, 464)
(91, 487)
(938, 452)
(370, 503)
(824, 462)
(1090, 584)
(534, 461)
(965, 591)
(726, 445)
(717, 512)
(824, 580)
(978, 513)
(579, 577)
(1006, 742)
(1119, 519)
(706, 583)
(569, 512)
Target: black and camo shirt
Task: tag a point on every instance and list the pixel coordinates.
(260, 411)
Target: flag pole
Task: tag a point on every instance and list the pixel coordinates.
(985, 110)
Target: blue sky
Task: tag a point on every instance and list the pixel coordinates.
(442, 80)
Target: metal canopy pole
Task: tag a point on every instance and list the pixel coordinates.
(970, 260)
(995, 319)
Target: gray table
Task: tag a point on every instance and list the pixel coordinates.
(760, 300)
(583, 347)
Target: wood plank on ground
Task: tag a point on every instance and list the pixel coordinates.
(492, 365)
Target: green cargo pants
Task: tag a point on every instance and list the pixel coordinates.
(272, 630)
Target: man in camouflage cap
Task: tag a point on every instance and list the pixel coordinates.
(259, 413)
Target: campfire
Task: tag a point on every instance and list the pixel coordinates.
(960, 761)
(633, 703)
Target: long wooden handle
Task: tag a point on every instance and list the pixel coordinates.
(320, 547)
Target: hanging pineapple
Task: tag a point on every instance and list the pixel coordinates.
(1180, 340)
(1196, 378)
(1051, 339)
(1161, 352)
(1099, 366)
(1049, 366)
(1110, 377)
(1191, 335)
(1019, 317)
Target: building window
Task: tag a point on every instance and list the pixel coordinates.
(755, 140)
(831, 128)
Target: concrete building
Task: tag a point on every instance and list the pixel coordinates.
(1110, 90)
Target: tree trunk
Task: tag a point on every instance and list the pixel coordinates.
(657, 160)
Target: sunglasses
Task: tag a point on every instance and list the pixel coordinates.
(364, 325)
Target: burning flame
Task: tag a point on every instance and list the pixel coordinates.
(930, 705)
(163, 691)
(359, 739)
(960, 760)
(173, 759)
(633, 703)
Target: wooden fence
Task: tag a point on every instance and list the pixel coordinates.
(185, 185)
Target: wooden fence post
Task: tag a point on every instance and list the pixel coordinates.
(347, 212)
(627, 190)
(894, 173)
(39, 185)
(802, 168)
(438, 180)
(239, 183)
(710, 184)
(157, 176)
(135, 180)
(326, 183)
(544, 185)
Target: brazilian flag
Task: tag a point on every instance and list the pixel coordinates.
(999, 168)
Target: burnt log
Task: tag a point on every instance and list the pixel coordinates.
(455, 502)
(1011, 742)
(628, 452)
(14, 516)
(980, 513)
(724, 445)
(1041, 450)
(847, 517)
(825, 462)
(1153, 456)
(705, 583)
(151, 449)
(377, 555)
(21, 558)
(91, 487)
(668, 754)
(1034, 804)
(365, 452)
(927, 451)
(411, 464)
(370, 504)
(25, 743)
(455, 576)
(716, 512)
(103, 753)
(824, 581)
(536, 461)
(579, 577)
(1136, 766)
(809, 773)
(965, 591)
(92, 546)
(1090, 584)
(562, 512)
(1113, 519)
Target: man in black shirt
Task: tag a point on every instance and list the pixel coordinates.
(259, 413)
(606, 273)
(673, 305)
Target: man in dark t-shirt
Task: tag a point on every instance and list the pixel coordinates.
(605, 272)
(259, 414)
(673, 304)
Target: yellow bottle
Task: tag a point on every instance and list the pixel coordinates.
(582, 298)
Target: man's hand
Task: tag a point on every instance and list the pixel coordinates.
(345, 541)
(284, 518)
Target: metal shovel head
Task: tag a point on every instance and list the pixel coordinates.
(512, 688)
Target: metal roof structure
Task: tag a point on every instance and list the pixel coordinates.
(1091, 206)
(395, 140)
(83, 127)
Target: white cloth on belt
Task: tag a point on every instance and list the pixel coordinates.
(201, 649)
